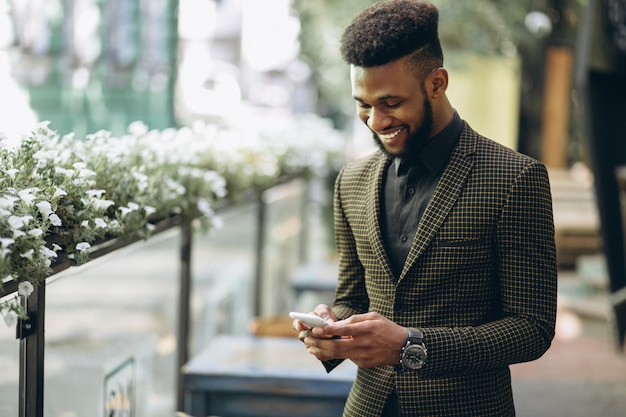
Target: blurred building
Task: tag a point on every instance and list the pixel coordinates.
(87, 65)
(90, 64)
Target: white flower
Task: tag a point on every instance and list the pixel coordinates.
(85, 223)
(101, 223)
(5, 242)
(37, 232)
(27, 195)
(16, 222)
(43, 155)
(82, 246)
(25, 288)
(101, 204)
(56, 247)
(47, 252)
(149, 210)
(140, 177)
(137, 128)
(217, 222)
(86, 173)
(28, 254)
(12, 172)
(205, 207)
(67, 172)
(59, 192)
(10, 318)
(44, 207)
(4, 253)
(219, 183)
(55, 220)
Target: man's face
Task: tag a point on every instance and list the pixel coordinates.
(394, 105)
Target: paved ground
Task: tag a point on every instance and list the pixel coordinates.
(581, 375)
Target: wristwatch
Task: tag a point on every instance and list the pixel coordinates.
(414, 352)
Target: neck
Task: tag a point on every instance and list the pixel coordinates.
(442, 115)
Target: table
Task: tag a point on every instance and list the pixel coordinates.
(248, 376)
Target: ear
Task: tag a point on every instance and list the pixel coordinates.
(437, 82)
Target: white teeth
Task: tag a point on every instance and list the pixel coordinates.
(390, 135)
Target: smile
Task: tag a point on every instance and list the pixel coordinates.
(390, 135)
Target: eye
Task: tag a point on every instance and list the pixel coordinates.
(393, 105)
(362, 105)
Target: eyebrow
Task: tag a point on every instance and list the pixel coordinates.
(381, 98)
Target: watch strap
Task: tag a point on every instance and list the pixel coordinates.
(415, 337)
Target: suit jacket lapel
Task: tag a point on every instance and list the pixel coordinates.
(374, 193)
(446, 193)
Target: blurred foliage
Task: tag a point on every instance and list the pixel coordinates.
(494, 27)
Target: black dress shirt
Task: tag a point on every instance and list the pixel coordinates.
(409, 186)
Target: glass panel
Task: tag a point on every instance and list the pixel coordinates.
(111, 333)
(111, 324)
(9, 370)
(223, 270)
(283, 250)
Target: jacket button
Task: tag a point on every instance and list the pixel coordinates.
(399, 308)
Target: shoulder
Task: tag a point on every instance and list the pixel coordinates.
(494, 156)
(361, 170)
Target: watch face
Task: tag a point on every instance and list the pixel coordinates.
(414, 356)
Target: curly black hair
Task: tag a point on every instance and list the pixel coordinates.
(392, 29)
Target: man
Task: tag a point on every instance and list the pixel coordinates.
(447, 265)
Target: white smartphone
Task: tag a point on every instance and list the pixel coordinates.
(310, 320)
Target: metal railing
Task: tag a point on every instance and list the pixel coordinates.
(31, 332)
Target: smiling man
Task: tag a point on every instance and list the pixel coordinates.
(447, 265)
(391, 93)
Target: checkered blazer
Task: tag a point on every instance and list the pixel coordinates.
(480, 279)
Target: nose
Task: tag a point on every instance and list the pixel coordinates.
(377, 120)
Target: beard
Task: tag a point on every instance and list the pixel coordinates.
(416, 140)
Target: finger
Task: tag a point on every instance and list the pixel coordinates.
(299, 326)
(358, 318)
(325, 312)
(323, 349)
(346, 328)
(303, 335)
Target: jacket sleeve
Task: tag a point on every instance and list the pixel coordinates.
(350, 293)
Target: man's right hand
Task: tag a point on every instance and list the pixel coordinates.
(322, 311)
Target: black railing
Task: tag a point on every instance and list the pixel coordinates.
(31, 332)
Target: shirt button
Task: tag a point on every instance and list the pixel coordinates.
(411, 191)
(403, 239)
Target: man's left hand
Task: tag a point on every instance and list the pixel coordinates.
(368, 340)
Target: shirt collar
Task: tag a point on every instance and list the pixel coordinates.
(439, 148)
